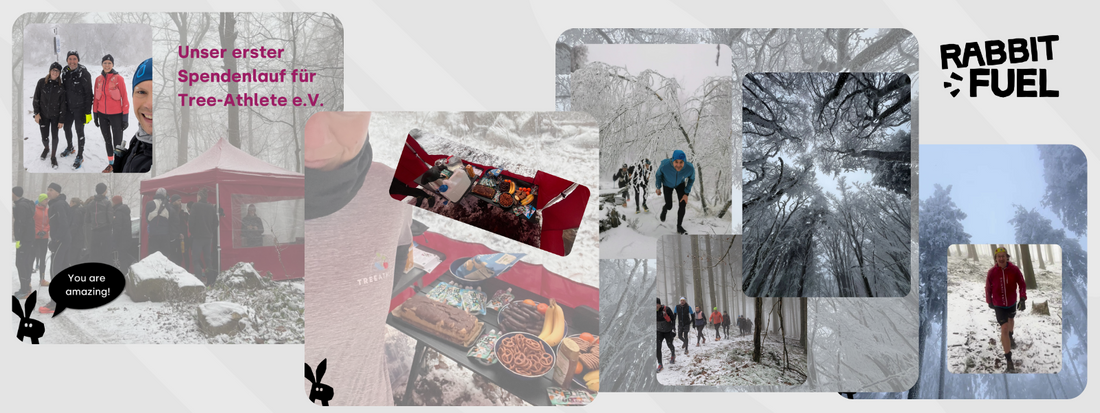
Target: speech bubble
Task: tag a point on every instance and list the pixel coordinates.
(85, 286)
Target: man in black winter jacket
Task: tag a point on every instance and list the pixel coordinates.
(78, 91)
(76, 229)
(120, 228)
(684, 319)
(99, 214)
(203, 223)
(138, 156)
(60, 235)
(22, 212)
(665, 325)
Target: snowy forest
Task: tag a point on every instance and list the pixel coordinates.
(771, 350)
(311, 41)
(826, 172)
(646, 114)
(1061, 174)
(866, 344)
(973, 334)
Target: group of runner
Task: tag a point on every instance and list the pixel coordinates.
(67, 97)
(679, 320)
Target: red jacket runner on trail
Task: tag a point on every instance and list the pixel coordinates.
(716, 318)
(1001, 283)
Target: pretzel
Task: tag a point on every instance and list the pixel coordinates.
(524, 355)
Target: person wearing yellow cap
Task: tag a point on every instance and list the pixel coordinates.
(1001, 283)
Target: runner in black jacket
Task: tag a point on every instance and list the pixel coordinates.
(700, 325)
(684, 316)
(665, 324)
(78, 92)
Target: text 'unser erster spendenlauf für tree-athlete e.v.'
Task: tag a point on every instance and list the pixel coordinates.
(245, 76)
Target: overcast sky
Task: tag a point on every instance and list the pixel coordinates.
(688, 63)
(986, 181)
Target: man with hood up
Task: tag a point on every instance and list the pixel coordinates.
(1001, 283)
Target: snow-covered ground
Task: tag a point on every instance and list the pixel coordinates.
(638, 234)
(974, 337)
(275, 318)
(728, 362)
(95, 152)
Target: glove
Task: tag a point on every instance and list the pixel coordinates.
(88, 118)
(990, 305)
(17, 245)
(97, 120)
(1021, 306)
(125, 122)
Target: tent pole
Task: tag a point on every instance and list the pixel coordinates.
(217, 207)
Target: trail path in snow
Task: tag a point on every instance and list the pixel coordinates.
(728, 362)
(638, 234)
(973, 335)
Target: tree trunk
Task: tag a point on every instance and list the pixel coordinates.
(680, 266)
(227, 28)
(803, 319)
(1025, 264)
(783, 335)
(971, 252)
(710, 274)
(756, 350)
(697, 275)
(1039, 252)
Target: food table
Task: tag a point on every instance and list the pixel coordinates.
(580, 304)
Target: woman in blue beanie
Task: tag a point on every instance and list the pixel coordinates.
(138, 156)
(679, 174)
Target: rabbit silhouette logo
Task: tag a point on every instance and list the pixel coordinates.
(318, 391)
(29, 327)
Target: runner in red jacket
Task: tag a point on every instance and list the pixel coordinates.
(111, 107)
(1001, 283)
(716, 321)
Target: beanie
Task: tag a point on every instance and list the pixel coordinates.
(116, 200)
(161, 192)
(107, 57)
(54, 186)
(100, 188)
(73, 53)
(175, 197)
(55, 66)
(17, 191)
(679, 155)
(658, 300)
(42, 197)
(144, 72)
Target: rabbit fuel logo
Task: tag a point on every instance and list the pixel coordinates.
(1021, 82)
(317, 390)
(381, 264)
(28, 327)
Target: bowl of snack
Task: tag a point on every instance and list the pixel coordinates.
(587, 373)
(527, 316)
(524, 355)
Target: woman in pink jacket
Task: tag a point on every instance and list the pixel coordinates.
(111, 107)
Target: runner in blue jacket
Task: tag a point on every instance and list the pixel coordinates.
(677, 174)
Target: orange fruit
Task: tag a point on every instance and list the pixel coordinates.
(588, 337)
(529, 302)
(542, 308)
(580, 368)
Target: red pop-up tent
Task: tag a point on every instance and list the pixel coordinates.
(563, 215)
(235, 179)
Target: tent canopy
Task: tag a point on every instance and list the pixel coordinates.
(226, 171)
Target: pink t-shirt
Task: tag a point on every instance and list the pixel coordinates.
(349, 278)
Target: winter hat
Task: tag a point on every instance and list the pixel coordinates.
(1000, 250)
(54, 186)
(100, 188)
(683, 299)
(73, 53)
(679, 155)
(175, 197)
(715, 308)
(107, 57)
(42, 197)
(658, 300)
(144, 72)
(116, 200)
(18, 191)
(56, 66)
(161, 192)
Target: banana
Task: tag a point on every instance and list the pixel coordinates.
(593, 386)
(528, 199)
(547, 324)
(592, 375)
(559, 325)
